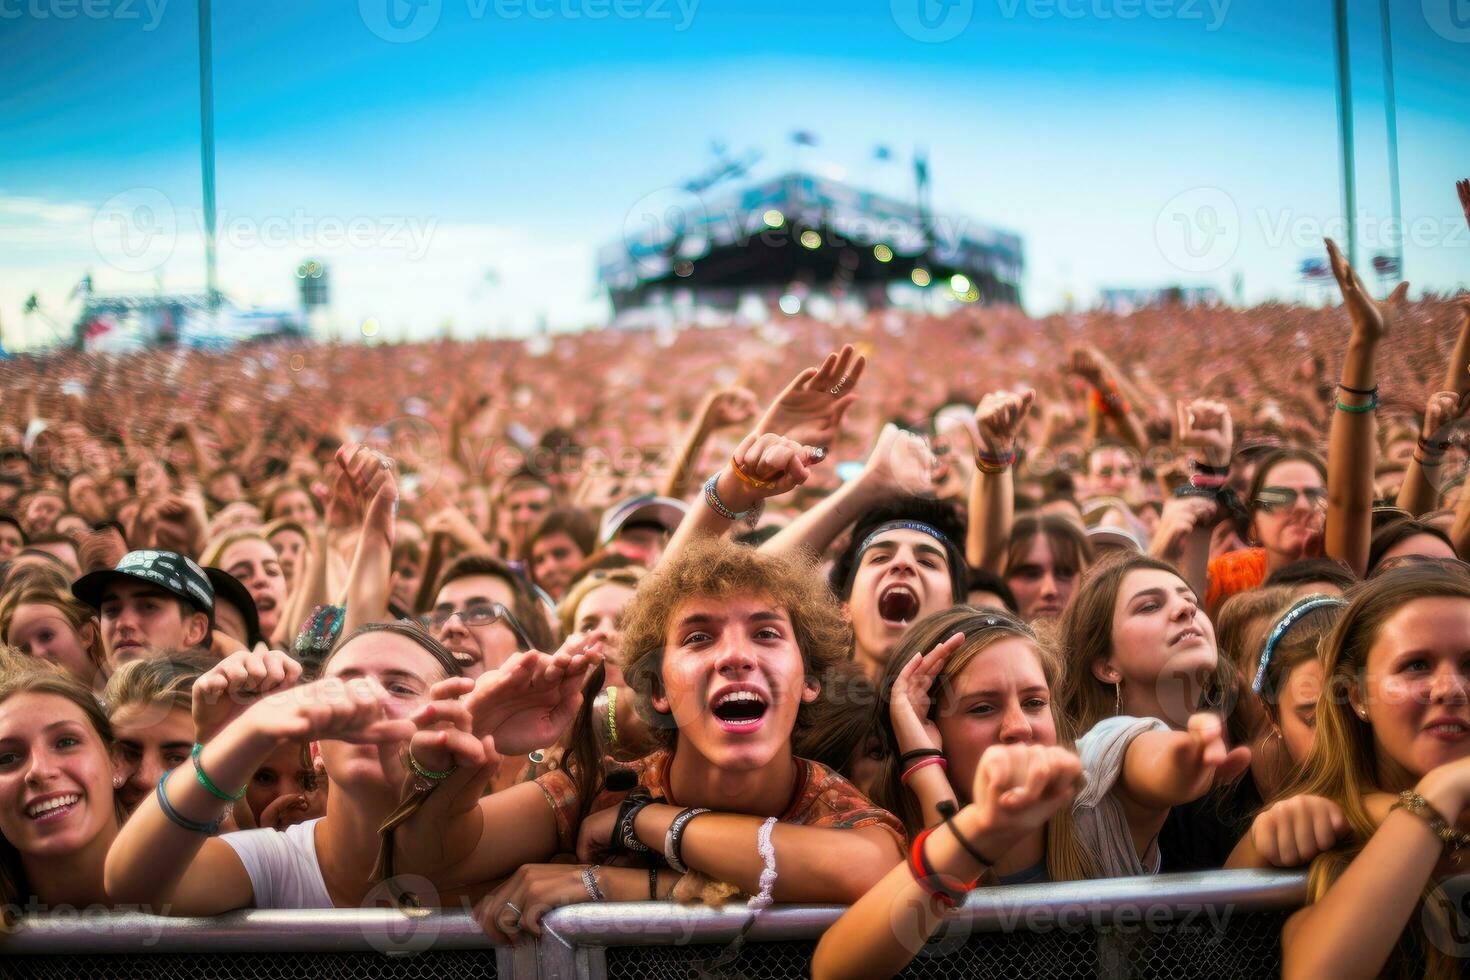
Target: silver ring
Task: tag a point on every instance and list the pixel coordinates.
(512, 906)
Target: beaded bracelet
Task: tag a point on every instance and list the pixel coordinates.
(208, 783)
(712, 497)
(589, 882)
(178, 819)
(425, 779)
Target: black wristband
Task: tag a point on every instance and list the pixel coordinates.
(1205, 469)
(1365, 392)
(910, 756)
(625, 840)
(947, 811)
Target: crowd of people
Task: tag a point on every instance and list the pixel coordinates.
(970, 601)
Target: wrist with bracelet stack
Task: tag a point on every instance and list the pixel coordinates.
(1432, 448)
(992, 464)
(712, 498)
(1370, 393)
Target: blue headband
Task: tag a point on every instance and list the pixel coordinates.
(919, 526)
(1296, 612)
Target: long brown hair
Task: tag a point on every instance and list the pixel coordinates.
(77, 613)
(1065, 860)
(1087, 638)
(20, 674)
(1344, 764)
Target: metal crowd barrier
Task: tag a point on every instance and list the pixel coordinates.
(1223, 924)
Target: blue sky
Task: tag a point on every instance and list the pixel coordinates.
(467, 176)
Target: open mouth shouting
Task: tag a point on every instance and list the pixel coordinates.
(739, 707)
(53, 807)
(1187, 635)
(898, 604)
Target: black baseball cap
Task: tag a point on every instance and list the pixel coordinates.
(229, 589)
(168, 570)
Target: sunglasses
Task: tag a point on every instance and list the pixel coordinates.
(1272, 499)
(483, 614)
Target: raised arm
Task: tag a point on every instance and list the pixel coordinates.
(1018, 789)
(720, 409)
(1352, 449)
(999, 418)
(159, 862)
(1420, 492)
(899, 465)
(370, 475)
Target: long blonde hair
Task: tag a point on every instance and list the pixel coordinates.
(1066, 860)
(1344, 764)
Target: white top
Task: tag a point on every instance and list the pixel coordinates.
(1102, 824)
(282, 865)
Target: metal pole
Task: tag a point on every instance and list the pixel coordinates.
(1391, 116)
(1345, 129)
(206, 150)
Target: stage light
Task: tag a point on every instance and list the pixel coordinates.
(811, 239)
(921, 277)
(370, 327)
(970, 295)
(774, 218)
(790, 305)
(959, 283)
(882, 253)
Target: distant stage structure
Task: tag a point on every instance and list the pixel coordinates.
(801, 235)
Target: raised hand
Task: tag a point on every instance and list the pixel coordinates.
(369, 474)
(908, 704)
(1205, 426)
(810, 409)
(1370, 318)
(901, 463)
(999, 417)
(772, 464)
(1019, 788)
(225, 690)
(1180, 516)
(1440, 412)
(726, 407)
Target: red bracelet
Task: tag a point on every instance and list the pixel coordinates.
(933, 760)
(1207, 481)
(935, 885)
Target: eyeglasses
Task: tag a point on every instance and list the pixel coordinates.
(1272, 499)
(482, 614)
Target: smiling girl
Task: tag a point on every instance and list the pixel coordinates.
(58, 815)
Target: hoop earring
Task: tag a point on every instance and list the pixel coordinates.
(1118, 697)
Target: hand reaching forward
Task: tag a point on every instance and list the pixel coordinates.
(810, 409)
(235, 683)
(1019, 788)
(354, 711)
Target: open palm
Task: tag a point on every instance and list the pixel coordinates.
(810, 409)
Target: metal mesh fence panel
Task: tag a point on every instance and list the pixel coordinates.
(1235, 946)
